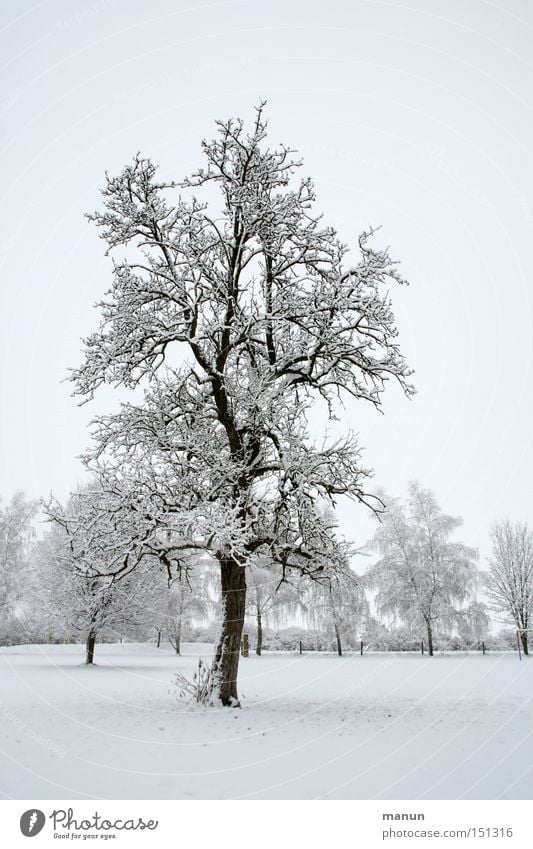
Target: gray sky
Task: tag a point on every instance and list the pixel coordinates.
(416, 116)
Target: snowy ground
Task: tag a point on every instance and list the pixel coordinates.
(378, 726)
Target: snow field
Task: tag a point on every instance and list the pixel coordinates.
(382, 726)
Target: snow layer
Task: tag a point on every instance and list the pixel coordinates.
(316, 726)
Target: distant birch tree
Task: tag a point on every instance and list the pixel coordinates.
(16, 533)
(473, 624)
(267, 599)
(421, 575)
(186, 598)
(233, 307)
(510, 578)
(338, 606)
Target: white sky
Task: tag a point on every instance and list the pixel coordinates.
(416, 116)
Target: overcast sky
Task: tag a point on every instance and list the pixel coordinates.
(416, 116)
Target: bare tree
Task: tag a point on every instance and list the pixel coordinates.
(236, 318)
(421, 575)
(510, 578)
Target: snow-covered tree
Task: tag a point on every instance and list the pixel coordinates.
(267, 599)
(96, 574)
(473, 624)
(233, 307)
(16, 533)
(338, 606)
(421, 575)
(78, 605)
(510, 578)
(186, 598)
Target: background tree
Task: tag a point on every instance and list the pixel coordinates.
(89, 563)
(186, 598)
(338, 606)
(510, 578)
(421, 574)
(16, 535)
(473, 624)
(267, 599)
(236, 318)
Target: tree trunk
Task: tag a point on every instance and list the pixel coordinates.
(259, 644)
(158, 639)
(430, 639)
(177, 644)
(338, 638)
(89, 647)
(523, 637)
(226, 662)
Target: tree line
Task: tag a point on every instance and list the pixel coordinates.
(422, 586)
